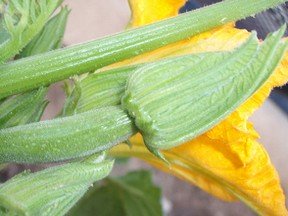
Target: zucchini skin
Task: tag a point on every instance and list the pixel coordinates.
(66, 138)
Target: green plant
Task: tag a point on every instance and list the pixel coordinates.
(169, 99)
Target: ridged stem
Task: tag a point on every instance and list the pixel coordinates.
(47, 68)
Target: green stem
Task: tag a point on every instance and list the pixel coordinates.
(47, 68)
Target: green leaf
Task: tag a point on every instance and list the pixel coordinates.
(52, 191)
(23, 20)
(180, 98)
(44, 69)
(50, 38)
(130, 195)
(65, 138)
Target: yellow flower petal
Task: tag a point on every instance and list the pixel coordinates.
(227, 161)
(148, 11)
(212, 165)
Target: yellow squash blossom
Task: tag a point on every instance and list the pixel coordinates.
(147, 12)
(226, 161)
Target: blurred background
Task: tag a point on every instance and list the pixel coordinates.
(97, 18)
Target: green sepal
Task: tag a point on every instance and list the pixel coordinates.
(67, 137)
(176, 100)
(52, 191)
(73, 97)
(157, 153)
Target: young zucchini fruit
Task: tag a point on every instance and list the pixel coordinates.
(67, 137)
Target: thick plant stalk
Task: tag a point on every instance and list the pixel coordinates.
(67, 137)
(44, 69)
